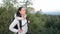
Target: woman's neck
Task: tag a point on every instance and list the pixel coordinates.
(22, 16)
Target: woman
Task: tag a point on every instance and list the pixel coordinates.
(20, 21)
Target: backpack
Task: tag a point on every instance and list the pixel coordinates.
(16, 27)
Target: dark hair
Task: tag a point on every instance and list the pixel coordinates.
(18, 14)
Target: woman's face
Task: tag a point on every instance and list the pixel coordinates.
(22, 12)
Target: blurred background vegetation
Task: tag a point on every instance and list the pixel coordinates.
(40, 23)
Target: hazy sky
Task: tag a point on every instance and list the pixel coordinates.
(46, 5)
(0, 1)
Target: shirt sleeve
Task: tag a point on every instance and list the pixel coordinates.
(11, 27)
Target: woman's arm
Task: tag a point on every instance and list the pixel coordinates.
(11, 27)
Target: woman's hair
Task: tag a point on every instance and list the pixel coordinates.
(18, 14)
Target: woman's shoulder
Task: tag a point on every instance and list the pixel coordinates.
(15, 21)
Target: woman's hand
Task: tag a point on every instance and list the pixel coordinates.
(20, 31)
(28, 21)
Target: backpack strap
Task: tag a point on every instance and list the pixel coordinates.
(20, 22)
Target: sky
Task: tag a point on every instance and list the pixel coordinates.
(0, 1)
(45, 5)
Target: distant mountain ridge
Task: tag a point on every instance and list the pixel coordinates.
(52, 13)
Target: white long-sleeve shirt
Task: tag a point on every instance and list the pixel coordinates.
(16, 21)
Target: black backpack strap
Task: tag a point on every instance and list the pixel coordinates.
(20, 22)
